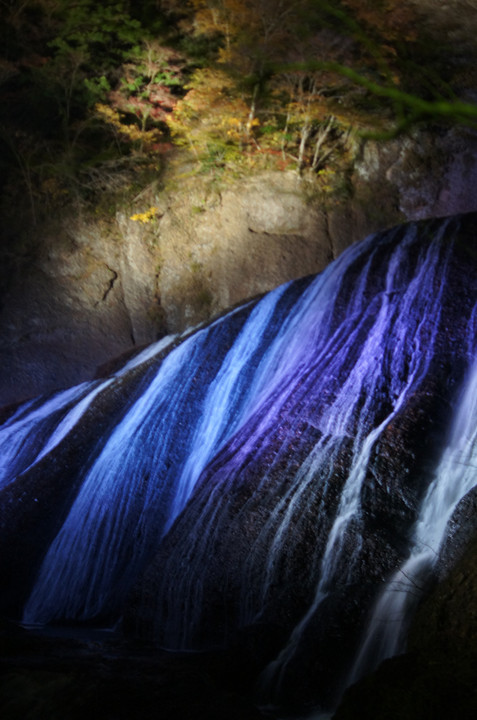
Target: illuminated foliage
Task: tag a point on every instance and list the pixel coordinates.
(212, 110)
(145, 217)
(309, 71)
(242, 100)
(89, 89)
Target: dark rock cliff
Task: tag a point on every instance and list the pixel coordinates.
(84, 288)
(435, 678)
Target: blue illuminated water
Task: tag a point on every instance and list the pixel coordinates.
(37, 427)
(243, 462)
(144, 475)
(325, 357)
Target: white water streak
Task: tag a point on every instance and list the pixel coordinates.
(20, 436)
(366, 375)
(455, 476)
(130, 479)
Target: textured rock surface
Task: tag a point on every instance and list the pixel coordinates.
(96, 288)
(312, 419)
(84, 297)
(435, 679)
(219, 248)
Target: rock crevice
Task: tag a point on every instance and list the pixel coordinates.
(98, 287)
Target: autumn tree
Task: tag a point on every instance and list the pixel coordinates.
(84, 99)
(256, 107)
(380, 67)
(89, 90)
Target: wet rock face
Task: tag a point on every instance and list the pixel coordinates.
(461, 533)
(36, 504)
(256, 481)
(247, 567)
(235, 559)
(435, 678)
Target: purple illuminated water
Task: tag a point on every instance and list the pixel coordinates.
(260, 472)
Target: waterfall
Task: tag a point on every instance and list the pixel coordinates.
(382, 331)
(258, 478)
(349, 507)
(36, 427)
(157, 483)
(455, 476)
(142, 472)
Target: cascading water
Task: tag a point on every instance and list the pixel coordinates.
(350, 506)
(27, 433)
(148, 488)
(455, 476)
(300, 472)
(256, 480)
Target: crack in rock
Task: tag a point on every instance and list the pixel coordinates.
(110, 284)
